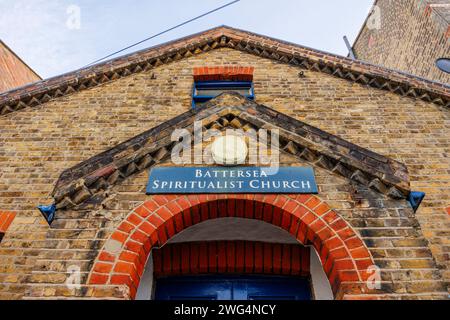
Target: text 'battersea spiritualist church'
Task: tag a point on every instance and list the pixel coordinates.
(225, 165)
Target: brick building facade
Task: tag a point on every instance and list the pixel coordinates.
(407, 35)
(85, 142)
(13, 71)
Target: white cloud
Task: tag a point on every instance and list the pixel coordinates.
(36, 30)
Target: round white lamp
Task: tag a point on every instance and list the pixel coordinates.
(229, 150)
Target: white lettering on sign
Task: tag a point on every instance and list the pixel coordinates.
(225, 174)
(236, 180)
(258, 184)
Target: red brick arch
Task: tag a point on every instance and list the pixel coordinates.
(344, 256)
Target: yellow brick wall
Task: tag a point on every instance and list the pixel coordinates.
(37, 144)
(411, 38)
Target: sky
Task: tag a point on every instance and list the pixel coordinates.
(57, 36)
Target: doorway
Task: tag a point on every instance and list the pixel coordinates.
(241, 288)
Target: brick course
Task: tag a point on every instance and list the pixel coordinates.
(234, 73)
(413, 35)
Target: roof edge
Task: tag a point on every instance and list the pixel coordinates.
(105, 63)
(364, 24)
(223, 36)
(22, 61)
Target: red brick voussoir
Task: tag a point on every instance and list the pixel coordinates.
(343, 254)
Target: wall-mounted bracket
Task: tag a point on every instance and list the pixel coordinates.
(415, 198)
(49, 212)
(351, 53)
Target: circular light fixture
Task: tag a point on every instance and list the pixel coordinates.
(443, 64)
(229, 150)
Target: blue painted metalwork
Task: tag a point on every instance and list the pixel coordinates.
(443, 64)
(219, 180)
(223, 84)
(415, 198)
(48, 212)
(240, 288)
(351, 53)
(220, 86)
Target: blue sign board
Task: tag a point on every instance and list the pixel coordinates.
(198, 180)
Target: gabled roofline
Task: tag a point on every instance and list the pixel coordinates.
(225, 37)
(87, 183)
(364, 25)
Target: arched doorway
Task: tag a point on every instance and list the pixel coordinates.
(311, 221)
(227, 270)
(241, 258)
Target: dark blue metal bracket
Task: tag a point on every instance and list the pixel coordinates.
(415, 198)
(48, 212)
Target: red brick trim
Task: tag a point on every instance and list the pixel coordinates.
(343, 254)
(15, 72)
(6, 218)
(231, 257)
(234, 73)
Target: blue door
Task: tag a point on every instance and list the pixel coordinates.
(233, 288)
